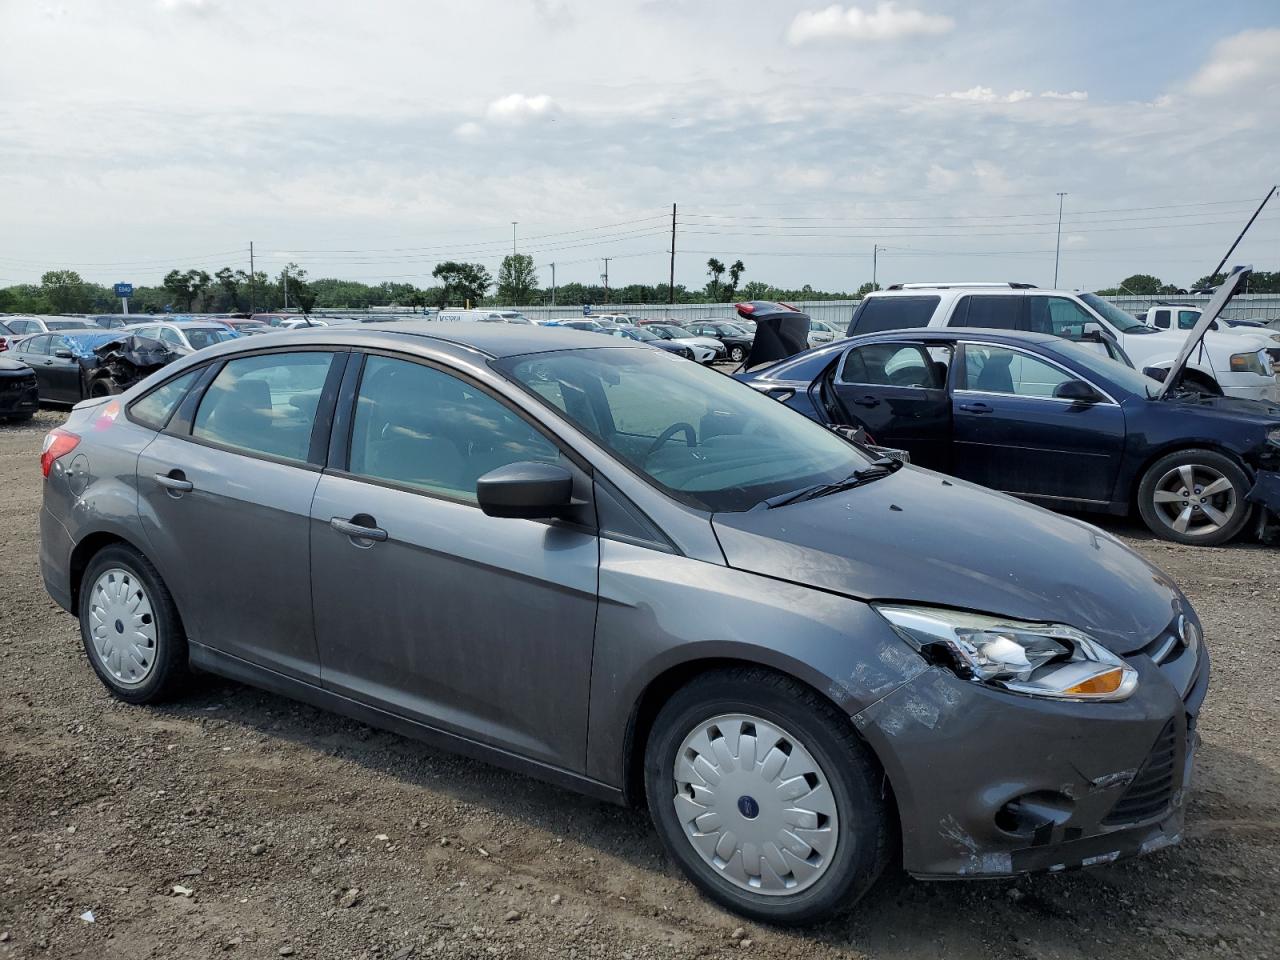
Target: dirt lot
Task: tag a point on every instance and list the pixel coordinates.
(298, 833)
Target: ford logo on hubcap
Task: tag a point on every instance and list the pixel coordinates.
(748, 807)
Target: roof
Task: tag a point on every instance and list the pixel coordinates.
(492, 339)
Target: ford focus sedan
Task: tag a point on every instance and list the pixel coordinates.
(599, 564)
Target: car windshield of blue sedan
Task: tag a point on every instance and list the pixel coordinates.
(1118, 373)
(700, 436)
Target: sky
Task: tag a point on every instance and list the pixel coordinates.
(372, 140)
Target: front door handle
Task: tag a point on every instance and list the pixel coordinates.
(867, 401)
(359, 531)
(175, 481)
(975, 408)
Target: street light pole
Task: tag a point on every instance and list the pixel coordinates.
(513, 237)
(1057, 250)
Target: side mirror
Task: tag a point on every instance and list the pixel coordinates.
(1076, 390)
(527, 490)
(1156, 373)
(1092, 331)
(64, 354)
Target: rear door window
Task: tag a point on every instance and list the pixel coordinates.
(1161, 319)
(875, 314)
(38, 344)
(264, 404)
(893, 365)
(989, 312)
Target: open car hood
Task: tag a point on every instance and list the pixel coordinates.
(919, 537)
(1213, 309)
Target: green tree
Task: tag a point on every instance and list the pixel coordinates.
(65, 291)
(1142, 285)
(715, 270)
(230, 281)
(178, 286)
(735, 274)
(293, 280)
(467, 282)
(516, 279)
(866, 288)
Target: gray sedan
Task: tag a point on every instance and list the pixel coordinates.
(595, 563)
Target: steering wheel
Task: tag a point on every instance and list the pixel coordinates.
(690, 436)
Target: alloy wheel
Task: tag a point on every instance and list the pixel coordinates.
(755, 805)
(1195, 500)
(122, 626)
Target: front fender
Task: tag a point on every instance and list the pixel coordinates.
(660, 612)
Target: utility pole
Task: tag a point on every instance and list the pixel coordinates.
(513, 237)
(284, 278)
(606, 277)
(1057, 250)
(875, 256)
(671, 280)
(253, 280)
(1218, 269)
(553, 283)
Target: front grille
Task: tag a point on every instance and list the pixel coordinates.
(1151, 791)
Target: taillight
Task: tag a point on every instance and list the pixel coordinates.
(57, 444)
(4, 344)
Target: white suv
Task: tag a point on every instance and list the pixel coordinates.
(1239, 364)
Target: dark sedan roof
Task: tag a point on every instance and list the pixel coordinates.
(492, 339)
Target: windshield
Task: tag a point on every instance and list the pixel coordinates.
(666, 332)
(640, 333)
(82, 344)
(703, 438)
(1124, 322)
(201, 337)
(1121, 374)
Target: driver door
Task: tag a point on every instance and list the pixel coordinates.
(898, 392)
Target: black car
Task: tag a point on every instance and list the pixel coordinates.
(641, 335)
(64, 363)
(1048, 420)
(737, 342)
(19, 395)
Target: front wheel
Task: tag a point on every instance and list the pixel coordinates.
(737, 354)
(766, 798)
(1194, 497)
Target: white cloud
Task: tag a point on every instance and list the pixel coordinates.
(986, 95)
(1246, 61)
(1072, 95)
(518, 108)
(885, 22)
(468, 131)
(198, 6)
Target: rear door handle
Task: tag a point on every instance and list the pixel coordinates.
(175, 481)
(975, 408)
(867, 401)
(357, 530)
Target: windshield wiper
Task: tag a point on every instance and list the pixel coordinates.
(878, 469)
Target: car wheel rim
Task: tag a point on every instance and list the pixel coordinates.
(122, 627)
(755, 805)
(1195, 500)
(736, 353)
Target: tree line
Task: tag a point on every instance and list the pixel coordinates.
(456, 284)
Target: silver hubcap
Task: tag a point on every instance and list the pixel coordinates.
(1195, 500)
(755, 805)
(122, 626)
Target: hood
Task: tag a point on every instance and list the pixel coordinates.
(9, 365)
(1212, 310)
(920, 537)
(1259, 411)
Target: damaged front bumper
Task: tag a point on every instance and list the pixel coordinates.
(992, 784)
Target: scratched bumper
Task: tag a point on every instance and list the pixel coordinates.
(990, 784)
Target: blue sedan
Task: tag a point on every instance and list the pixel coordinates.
(1046, 419)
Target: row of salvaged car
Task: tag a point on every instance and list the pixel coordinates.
(1037, 393)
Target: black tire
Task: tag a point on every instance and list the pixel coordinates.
(169, 670)
(103, 387)
(853, 775)
(737, 354)
(1157, 516)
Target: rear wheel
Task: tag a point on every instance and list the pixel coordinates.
(130, 627)
(764, 795)
(1195, 497)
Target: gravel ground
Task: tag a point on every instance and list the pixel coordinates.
(236, 823)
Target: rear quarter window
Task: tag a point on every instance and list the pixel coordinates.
(999, 312)
(155, 409)
(876, 314)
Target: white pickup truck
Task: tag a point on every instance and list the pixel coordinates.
(1183, 316)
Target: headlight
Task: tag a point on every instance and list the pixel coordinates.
(1247, 363)
(1039, 659)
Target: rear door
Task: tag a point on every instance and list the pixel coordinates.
(225, 498)
(897, 390)
(1012, 434)
(424, 605)
(34, 352)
